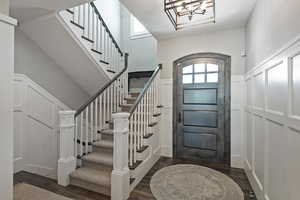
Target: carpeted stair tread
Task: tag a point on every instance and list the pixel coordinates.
(126, 105)
(104, 158)
(104, 144)
(107, 131)
(96, 176)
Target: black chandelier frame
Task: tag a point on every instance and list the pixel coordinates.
(170, 6)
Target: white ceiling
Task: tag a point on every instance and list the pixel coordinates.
(26, 10)
(229, 14)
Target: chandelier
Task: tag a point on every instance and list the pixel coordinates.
(184, 13)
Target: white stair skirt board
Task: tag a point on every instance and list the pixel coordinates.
(36, 128)
(144, 168)
(69, 51)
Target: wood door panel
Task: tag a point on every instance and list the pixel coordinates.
(200, 96)
(200, 118)
(205, 141)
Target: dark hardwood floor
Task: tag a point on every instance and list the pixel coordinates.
(141, 192)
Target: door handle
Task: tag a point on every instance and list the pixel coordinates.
(179, 117)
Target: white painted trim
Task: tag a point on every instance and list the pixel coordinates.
(288, 45)
(274, 117)
(8, 20)
(22, 107)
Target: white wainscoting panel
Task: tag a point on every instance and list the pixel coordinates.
(36, 128)
(237, 151)
(272, 125)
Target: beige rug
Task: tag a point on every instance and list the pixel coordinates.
(23, 191)
(192, 182)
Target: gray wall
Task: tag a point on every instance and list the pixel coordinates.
(4, 7)
(142, 51)
(230, 42)
(33, 62)
(272, 24)
(110, 11)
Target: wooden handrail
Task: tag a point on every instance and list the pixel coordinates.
(83, 107)
(142, 94)
(106, 27)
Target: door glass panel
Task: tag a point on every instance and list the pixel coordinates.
(199, 67)
(186, 79)
(187, 69)
(212, 68)
(212, 77)
(199, 78)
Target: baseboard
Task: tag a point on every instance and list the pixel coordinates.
(18, 165)
(42, 171)
(166, 151)
(237, 161)
(254, 182)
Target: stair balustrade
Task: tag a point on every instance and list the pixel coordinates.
(103, 143)
(95, 30)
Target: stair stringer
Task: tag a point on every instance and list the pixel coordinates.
(62, 45)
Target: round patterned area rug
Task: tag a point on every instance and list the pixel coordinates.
(192, 182)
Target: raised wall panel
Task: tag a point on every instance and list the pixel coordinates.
(259, 81)
(36, 128)
(236, 135)
(276, 161)
(259, 148)
(293, 164)
(18, 84)
(41, 146)
(249, 92)
(40, 107)
(18, 135)
(249, 136)
(236, 97)
(277, 88)
(295, 108)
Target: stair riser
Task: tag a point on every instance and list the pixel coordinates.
(101, 149)
(143, 155)
(91, 187)
(134, 94)
(131, 101)
(125, 109)
(95, 165)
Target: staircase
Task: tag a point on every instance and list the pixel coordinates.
(111, 141)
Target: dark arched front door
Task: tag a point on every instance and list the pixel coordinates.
(202, 108)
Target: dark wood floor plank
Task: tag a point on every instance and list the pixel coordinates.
(141, 192)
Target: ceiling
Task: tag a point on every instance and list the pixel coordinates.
(26, 10)
(229, 14)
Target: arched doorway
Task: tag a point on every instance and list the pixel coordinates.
(201, 110)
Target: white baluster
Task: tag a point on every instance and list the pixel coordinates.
(96, 119)
(131, 141)
(135, 142)
(92, 125)
(81, 134)
(86, 130)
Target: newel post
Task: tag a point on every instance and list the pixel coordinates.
(120, 176)
(67, 161)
